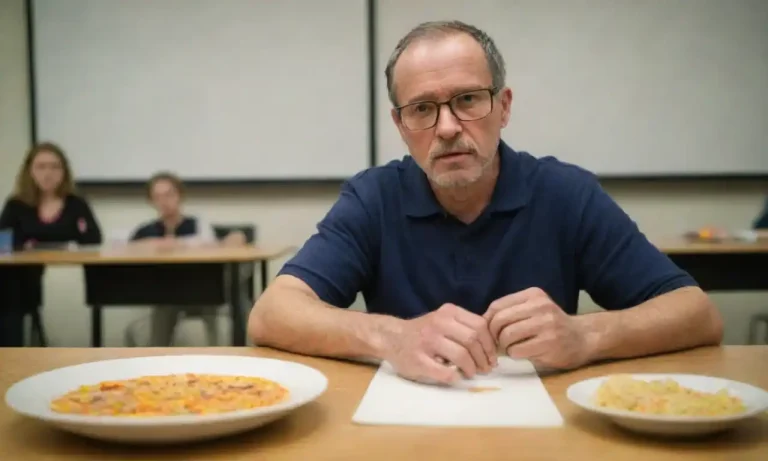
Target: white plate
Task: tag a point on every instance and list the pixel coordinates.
(754, 398)
(32, 396)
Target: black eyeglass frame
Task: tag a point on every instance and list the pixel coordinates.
(492, 90)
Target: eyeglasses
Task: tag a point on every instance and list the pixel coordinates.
(467, 107)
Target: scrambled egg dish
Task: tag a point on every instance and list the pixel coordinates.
(170, 395)
(664, 397)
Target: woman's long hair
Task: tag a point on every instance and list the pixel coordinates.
(26, 190)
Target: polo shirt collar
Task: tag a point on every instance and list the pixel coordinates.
(510, 193)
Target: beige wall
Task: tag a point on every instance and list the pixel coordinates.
(289, 214)
(14, 107)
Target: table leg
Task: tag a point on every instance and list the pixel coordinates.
(96, 326)
(11, 307)
(235, 305)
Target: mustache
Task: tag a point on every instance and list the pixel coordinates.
(445, 149)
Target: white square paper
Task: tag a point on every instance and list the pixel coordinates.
(512, 395)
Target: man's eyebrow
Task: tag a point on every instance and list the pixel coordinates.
(432, 96)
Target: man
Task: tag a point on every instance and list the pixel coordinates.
(174, 229)
(467, 246)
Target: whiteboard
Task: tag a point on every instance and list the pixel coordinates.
(621, 87)
(231, 90)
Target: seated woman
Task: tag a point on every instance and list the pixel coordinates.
(43, 210)
(173, 229)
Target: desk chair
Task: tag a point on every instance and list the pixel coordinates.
(247, 269)
(247, 275)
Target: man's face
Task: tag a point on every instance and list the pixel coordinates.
(165, 198)
(453, 153)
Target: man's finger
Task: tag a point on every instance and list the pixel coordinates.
(437, 372)
(520, 312)
(455, 354)
(520, 331)
(469, 339)
(528, 349)
(513, 299)
(483, 337)
(504, 302)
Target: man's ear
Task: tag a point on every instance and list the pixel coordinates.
(398, 122)
(505, 98)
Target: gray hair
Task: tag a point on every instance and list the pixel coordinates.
(437, 28)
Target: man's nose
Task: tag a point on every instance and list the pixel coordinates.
(448, 126)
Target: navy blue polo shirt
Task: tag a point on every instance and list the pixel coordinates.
(549, 225)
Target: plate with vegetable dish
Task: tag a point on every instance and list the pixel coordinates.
(164, 399)
(670, 404)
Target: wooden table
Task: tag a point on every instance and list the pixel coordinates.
(145, 255)
(323, 430)
(135, 275)
(726, 266)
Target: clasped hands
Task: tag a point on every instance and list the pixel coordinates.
(451, 343)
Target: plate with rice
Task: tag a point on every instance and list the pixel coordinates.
(670, 404)
(162, 399)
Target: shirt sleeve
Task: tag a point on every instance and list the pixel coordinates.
(337, 262)
(89, 231)
(617, 265)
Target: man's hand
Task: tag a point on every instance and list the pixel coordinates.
(529, 325)
(438, 346)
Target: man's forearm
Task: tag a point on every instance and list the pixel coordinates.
(680, 319)
(295, 321)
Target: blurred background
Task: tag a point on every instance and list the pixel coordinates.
(263, 108)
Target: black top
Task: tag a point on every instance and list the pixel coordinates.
(762, 221)
(188, 227)
(75, 223)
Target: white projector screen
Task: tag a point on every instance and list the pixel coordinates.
(621, 87)
(213, 90)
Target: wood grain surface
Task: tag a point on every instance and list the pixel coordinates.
(323, 429)
(144, 255)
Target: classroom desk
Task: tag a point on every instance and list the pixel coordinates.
(124, 276)
(323, 430)
(727, 266)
